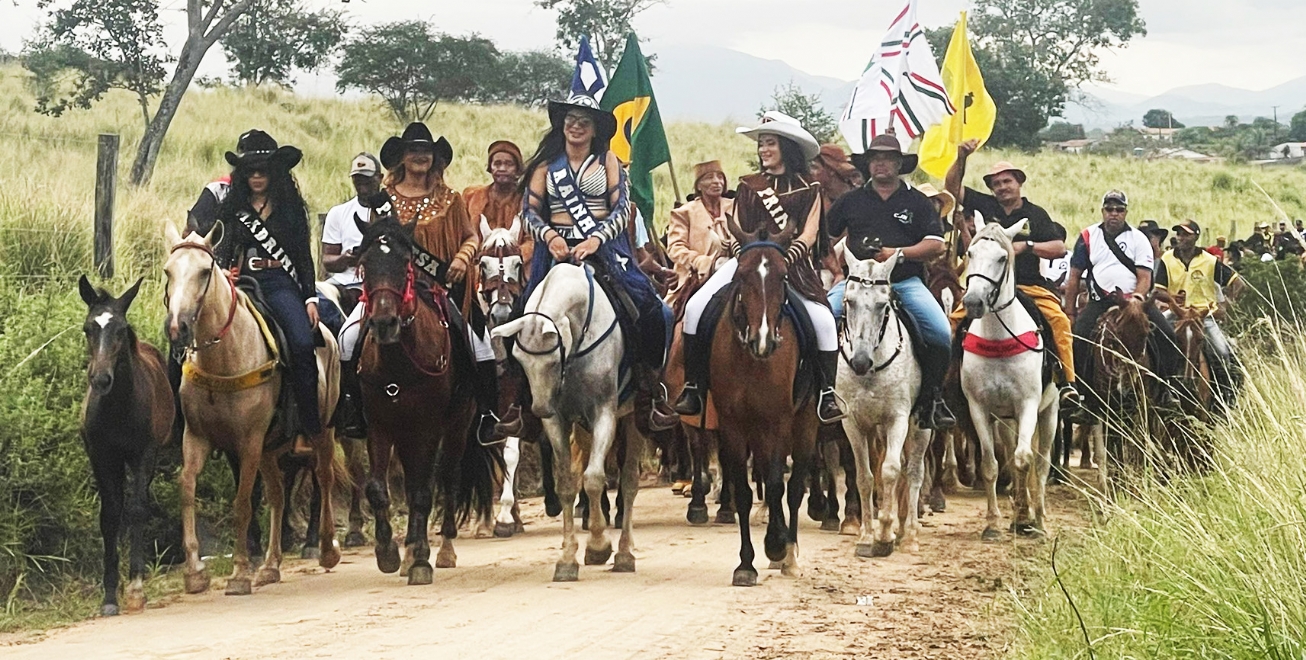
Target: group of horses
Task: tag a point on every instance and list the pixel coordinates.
(760, 427)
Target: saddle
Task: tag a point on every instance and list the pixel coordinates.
(627, 319)
(287, 411)
(1051, 362)
(793, 308)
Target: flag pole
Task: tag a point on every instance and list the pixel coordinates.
(675, 187)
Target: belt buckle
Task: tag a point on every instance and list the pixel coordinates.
(250, 263)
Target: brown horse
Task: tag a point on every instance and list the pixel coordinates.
(229, 398)
(128, 413)
(755, 358)
(418, 399)
(1120, 360)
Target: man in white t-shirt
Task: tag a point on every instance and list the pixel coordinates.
(1118, 261)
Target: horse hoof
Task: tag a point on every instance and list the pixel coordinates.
(991, 535)
(310, 552)
(882, 548)
(830, 525)
(135, 602)
(420, 574)
(744, 578)
(446, 557)
(552, 507)
(697, 515)
(624, 563)
(331, 556)
(197, 583)
(598, 556)
(938, 504)
(503, 530)
(864, 551)
(775, 565)
(239, 587)
(109, 609)
(850, 527)
(1028, 530)
(387, 558)
(725, 517)
(355, 540)
(267, 575)
(566, 572)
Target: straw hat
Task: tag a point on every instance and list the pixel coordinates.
(1004, 166)
(949, 202)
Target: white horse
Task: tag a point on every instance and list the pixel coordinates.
(880, 379)
(1002, 377)
(568, 343)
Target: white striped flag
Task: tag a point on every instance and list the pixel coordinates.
(900, 88)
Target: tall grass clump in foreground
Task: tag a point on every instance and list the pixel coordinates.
(1205, 566)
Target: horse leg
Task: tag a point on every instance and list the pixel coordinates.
(828, 483)
(418, 464)
(988, 469)
(734, 468)
(777, 534)
(505, 524)
(1025, 463)
(895, 436)
(549, 479)
(803, 454)
(1048, 429)
(378, 496)
(324, 455)
(355, 459)
(1097, 435)
(193, 450)
(273, 483)
(817, 504)
(624, 562)
(697, 511)
(485, 525)
(250, 456)
(559, 436)
(137, 515)
(911, 526)
(938, 451)
(312, 532)
(950, 481)
(1087, 445)
(599, 548)
(861, 446)
(110, 480)
(449, 481)
(254, 540)
(725, 513)
(852, 512)
(288, 473)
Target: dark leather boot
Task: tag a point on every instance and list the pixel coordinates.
(934, 413)
(487, 400)
(828, 408)
(691, 401)
(352, 422)
(653, 396)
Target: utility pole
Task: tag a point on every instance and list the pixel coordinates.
(1276, 122)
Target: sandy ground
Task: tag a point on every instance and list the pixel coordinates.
(499, 601)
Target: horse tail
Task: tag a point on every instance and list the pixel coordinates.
(340, 473)
(475, 495)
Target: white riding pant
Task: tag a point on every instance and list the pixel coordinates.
(349, 335)
(827, 336)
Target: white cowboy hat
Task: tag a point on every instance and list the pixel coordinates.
(775, 122)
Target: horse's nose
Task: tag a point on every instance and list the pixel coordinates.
(386, 329)
(179, 331)
(861, 363)
(101, 381)
(974, 306)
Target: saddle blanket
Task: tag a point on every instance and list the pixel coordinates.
(1000, 348)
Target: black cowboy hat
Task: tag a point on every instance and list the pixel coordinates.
(415, 135)
(1152, 227)
(605, 123)
(889, 144)
(256, 149)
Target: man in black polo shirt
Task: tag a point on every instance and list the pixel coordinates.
(887, 216)
(1043, 238)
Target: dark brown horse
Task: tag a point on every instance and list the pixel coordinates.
(1120, 360)
(755, 358)
(128, 413)
(418, 400)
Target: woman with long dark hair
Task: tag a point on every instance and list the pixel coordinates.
(264, 196)
(784, 185)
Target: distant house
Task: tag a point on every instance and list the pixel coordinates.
(1178, 153)
(1287, 150)
(1159, 134)
(1072, 146)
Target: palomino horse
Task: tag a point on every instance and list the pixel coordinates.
(1002, 377)
(568, 342)
(881, 380)
(753, 369)
(1120, 360)
(229, 398)
(418, 400)
(128, 413)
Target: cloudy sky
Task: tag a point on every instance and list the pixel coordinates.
(1252, 44)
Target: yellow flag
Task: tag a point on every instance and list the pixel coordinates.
(975, 108)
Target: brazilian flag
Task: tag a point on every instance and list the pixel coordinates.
(640, 139)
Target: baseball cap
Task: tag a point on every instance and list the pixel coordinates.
(365, 164)
(1116, 196)
(1188, 226)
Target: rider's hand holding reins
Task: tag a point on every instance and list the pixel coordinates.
(558, 248)
(586, 248)
(457, 271)
(311, 307)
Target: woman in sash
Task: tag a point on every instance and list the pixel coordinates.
(264, 201)
(785, 150)
(577, 205)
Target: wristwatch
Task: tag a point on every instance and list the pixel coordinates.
(1029, 246)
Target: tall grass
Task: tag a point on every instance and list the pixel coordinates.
(1210, 566)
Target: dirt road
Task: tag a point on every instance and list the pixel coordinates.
(500, 603)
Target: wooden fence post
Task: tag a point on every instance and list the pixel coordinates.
(106, 180)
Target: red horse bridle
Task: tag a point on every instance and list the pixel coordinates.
(231, 311)
(407, 297)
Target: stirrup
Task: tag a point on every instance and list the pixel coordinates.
(838, 402)
(690, 401)
(510, 427)
(488, 437)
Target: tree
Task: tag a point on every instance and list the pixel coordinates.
(90, 47)
(529, 78)
(1061, 131)
(413, 68)
(1297, 129)
(1158, 118)
(605, 21)
(279, 36)
(807, 109)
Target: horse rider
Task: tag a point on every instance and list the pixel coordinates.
(1195, 279)
(499, 202)
(887, 216)
(340, 240)
(577, 205)
(697, 231)
(1116, 258)
(267, 238)
(835, 172)
(1043, 238)
(782, 192)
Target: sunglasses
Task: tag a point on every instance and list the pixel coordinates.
(579, 121)
(1114, 209)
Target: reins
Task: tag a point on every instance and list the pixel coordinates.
(884, 329)
(995, 308)
(231, 310)
(408, 312)
(558, 346)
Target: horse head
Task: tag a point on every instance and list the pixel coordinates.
(1121, 350)
(502, 278)
(386, 263)
(189, 272)
(1190, 331)
(990, 267)
(545, 336)
(109, 337)
(868, 306)
(759, 287)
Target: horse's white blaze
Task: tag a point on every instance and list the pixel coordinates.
(385, 248)
(103, 319)
(764, 330)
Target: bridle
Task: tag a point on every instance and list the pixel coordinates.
(992, 298)
(558, 346)
(193, 347)
(846, 340)
(407, 297)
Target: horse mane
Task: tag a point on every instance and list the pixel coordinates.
(391, 229)
(996, 232)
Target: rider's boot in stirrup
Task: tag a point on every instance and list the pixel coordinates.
(1072, 405)
(828, 408)
(934, 413)
(653, 412)
(487, 400)
(352, 422)
(696, 371)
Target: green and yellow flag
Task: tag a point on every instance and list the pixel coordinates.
(640, 139)
(976, 111)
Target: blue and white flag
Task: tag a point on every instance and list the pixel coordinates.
(589, 79)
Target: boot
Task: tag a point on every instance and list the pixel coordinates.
(352, 422)
(934, 413)
(487, 400)
(1072, 404)
(511, 424)
(653, 395)
(828, 409)
(691, 401)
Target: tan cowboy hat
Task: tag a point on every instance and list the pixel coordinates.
(885, 143)
(778, 123)
(1004, 166)
(949, 202)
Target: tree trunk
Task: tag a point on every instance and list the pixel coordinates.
(148, 150)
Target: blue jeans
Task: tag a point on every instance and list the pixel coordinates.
(286, 301)
(932, 324)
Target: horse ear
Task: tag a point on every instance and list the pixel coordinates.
(979, 221)
(515, 229)
(362, 226)
(485, 227)
(215, 235)
(891, 263)
(125, 301)
(1015, 229)
(170, 234)
(510, 329)
(89, 295)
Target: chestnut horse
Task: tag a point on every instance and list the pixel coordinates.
(1120, 360)
(418, 399)
(754, 363)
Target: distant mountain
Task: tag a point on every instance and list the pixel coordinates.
(1194, 105)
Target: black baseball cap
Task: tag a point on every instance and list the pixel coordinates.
(1188, 226)
(1117, 196)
